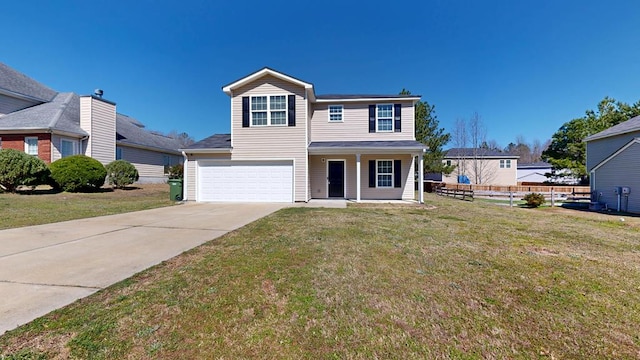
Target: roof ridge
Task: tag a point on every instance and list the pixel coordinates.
(61, 109)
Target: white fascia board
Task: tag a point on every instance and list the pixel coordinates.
(414, 99)
(207, 151)
(150, 148)
(362, 150)
(227, 89)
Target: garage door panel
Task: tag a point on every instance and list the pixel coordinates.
(245, 181)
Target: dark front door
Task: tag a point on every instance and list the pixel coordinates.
(336, 179)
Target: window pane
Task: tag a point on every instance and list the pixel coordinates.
(259, 118)
(278, 117)
(66, 148)
(278, 103)
(335, 112)
(385, 111)
(31, 146)
(385, 125)
(258, 103)
(384, 181)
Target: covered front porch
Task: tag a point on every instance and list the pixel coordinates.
(365, 170)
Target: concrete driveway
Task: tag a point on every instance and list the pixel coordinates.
(45, 267)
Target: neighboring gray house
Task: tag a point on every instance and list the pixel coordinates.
(51, 125)
(613, 163)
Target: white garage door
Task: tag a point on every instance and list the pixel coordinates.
(256, 181)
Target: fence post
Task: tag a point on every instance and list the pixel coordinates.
(552, 197)
(510, 199)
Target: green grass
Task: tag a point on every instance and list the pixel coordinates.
(452, 279)
(36, 208)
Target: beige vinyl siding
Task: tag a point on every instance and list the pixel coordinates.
(273, 142)
(622, 170)
(56, 143)
(9, 104)
(355, 124)
(405, 192)
(98, 118)
(318, 174)
(492, 173)
(598, 150)
(150, 164)
(190, 172)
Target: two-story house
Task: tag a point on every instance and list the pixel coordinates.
(51, 125)
(288, 144)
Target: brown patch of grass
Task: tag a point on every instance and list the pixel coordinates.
(462, 280)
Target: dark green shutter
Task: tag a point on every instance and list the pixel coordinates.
(397, 118)
(397, 173)
(245, 111)
(372, 118)
(372, 173)
(292, 110)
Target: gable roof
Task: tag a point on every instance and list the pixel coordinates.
(220, 143)
(264, 72)
(623, 148)
(628, 126)
(130, 131)
(483, 153)
(20, 85)
(364, 97)
(61, 114)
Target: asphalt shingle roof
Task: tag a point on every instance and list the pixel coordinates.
(131, 131)
(628, 126)
(16, 82)
(215, 141)
(62, 113)
(368, 144)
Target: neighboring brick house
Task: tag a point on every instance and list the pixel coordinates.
(289, 144)
(481, 166)
(51, 125)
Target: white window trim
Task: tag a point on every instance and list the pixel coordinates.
(341, 113)
(392, 174)
(74, 147)
(508, 164)
(268, 110)
(393, 116)
(26, 144)
(502, 164)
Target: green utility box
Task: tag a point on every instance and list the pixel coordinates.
(175, 189)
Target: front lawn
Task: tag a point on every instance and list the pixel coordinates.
(43, 207)
(452, 279)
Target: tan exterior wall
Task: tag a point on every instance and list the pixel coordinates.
(56, 143)
(10, 104)
(598, 150)
(150, 164)
(273, 142)
(98, 118)
(190, 171)
(490, 172)
(355, 124)
(319, 173)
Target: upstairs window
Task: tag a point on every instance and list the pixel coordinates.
(505, 164)
(268, 110)
(31, 145)
(384, 117)
(335, 113)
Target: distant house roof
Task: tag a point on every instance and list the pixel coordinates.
(62, 113)
(536, 165)
(130, 131)
(628, 126)
(216, 141)
(17, 83)
(480, 152)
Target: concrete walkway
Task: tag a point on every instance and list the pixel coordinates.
(45, 267)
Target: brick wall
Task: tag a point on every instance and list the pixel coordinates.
(17, 142)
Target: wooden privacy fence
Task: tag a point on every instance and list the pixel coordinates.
(522, 189)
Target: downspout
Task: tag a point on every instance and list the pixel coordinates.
(184, 177)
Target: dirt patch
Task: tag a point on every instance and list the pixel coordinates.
(53, 345)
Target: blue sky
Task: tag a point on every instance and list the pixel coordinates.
(525, 66)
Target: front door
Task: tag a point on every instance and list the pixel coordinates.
(336, 179)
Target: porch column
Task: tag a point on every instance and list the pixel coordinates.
(358, 177)
(421, 177)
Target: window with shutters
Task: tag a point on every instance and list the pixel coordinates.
(269, 110)
(384, 173)
(384, 118)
